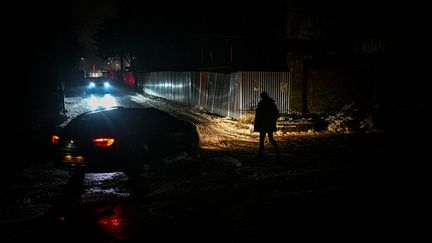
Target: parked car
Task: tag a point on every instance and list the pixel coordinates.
(122, 139)
(97, 86)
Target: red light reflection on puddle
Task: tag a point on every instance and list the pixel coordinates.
(114, 224)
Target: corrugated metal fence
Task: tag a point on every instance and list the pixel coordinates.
(225, 94)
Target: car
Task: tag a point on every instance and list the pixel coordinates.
(97, 86)
(122, 139)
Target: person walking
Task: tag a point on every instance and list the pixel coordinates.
(266, 115)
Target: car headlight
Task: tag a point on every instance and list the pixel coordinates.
(107, 84)
(91, 85)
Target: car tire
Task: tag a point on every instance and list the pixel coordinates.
(134, 169)
(136, 164)
(75, 185)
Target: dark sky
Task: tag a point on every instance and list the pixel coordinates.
(366, 17)
(89, 15)
(305, 18)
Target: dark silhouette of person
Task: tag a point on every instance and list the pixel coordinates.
(266, 115)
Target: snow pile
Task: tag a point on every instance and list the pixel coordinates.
(216, 132)
(343, 121)
(367, 124)
(350, 119)
(221, 133)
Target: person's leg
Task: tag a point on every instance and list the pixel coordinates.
(273, 142)
(261, 144)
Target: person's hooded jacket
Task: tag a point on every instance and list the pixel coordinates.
(266, 115)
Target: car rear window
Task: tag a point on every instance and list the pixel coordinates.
(92, 124)
(119, 120)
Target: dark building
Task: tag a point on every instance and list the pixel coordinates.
(212, 35)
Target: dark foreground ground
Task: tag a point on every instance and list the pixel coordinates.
(344, 188)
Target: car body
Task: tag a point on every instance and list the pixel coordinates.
(97, 86)
(122, 139)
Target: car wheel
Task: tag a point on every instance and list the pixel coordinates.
(76, 182)
(134, 169)
(139, 156)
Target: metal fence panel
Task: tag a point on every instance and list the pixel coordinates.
(224, 94)
(276, 84)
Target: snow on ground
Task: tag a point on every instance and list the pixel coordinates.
(216, 133)
(77, 105)
(309, 186)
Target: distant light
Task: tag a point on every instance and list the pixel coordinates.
(92, 85)
(95, 74)
(107, 101)
(107, 84)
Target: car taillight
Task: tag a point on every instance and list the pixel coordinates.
(103, 142)
(55, 139)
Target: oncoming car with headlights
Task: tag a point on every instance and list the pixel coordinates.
(97, 85)
(122, 139)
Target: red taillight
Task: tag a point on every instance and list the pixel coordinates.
(55, 139)
(103, 142)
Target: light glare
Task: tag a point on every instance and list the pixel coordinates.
(106, 101)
